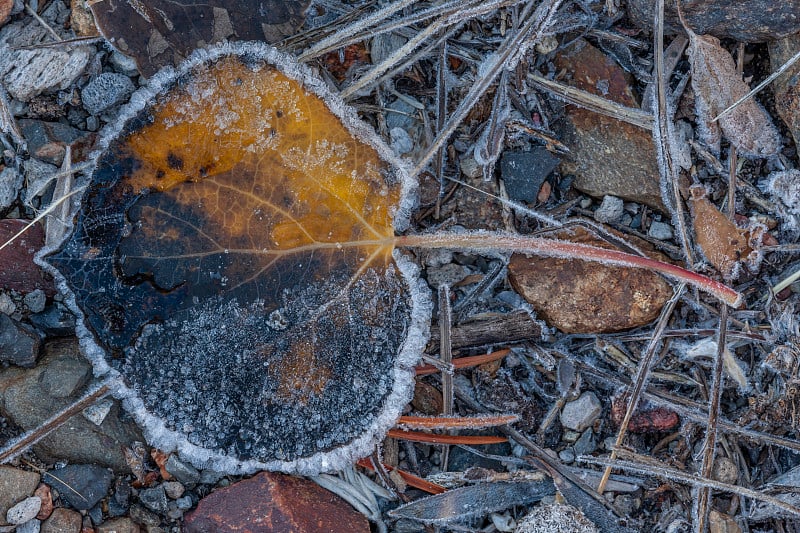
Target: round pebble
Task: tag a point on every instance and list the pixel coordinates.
(24, 511)
(174, 489)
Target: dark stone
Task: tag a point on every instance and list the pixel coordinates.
(19, 343)
(80, 486)
(47, 140)
(744, 20)
(15, 486)
(183, 472)
(154, 499)
(524, 172)
(54, 321)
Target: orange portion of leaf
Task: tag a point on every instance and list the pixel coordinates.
(234, 256)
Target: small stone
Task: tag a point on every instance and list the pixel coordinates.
(555, 518)
(63, 377)
(10, 184)
(566, 455)
(725, 471)
(183, 472)
(209, 477)
(25, 510)
(81, 20)
(63, 521)
(184, 503)
(5, 10)
(610, 210)
(98, 412)
(44, 494)
(722, 523)
(81, 486)
(586, 443)
(35, 301)
(173, 489)
(140, 515)
(271, 498)
(46, 140)
(92, 123)
(154, 499)
(660, 230)
(7, 305)
(54, 321)
(448, 274)
(524, 172)
(118, 525)
(470, 168)
(581, 413)
(124, 64)
(427, 398)
(19, 343)
(15, 486)
(106, 90)
(31, 526)
(400, 141)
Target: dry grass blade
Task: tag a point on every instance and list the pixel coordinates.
(464, 362)
(57, 222)
(642, 374)
(456, 422)
(664, 140)
(592, 102)
(710, 444)
(414, 481)
(470, 440)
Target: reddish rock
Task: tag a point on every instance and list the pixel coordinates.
(18, 272)
(43, 492)
(63, 521)
(273, 503)
(5, 10)
(119, 525)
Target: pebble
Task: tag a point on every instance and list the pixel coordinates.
(725, 471)
(124, 64)
(63, 521)
(154, 499)
(54, 321)
(19, 343)
(173, 489)
(106, 90)
(63, 377)
(581, 413)
(660, 230)
(524, 172)
(35, 301)
(119, 525)
(46, 140)
(586, 443)
(448, 274)
(566, 455)
(31, 526)
(183, 472)
(400, 141)
(15, 486)
(140, 515)
(610, 210)
(470, 168)
(7, 305)
(25, 510)
(184, 503)
(10, 184)
(81, 486)
(43, 492)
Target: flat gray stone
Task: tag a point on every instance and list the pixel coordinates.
(29, 73)
(27, 403)
(15, 486)
(660, 230)
(579, 414)
(24, 511)
(524, 172)
(183, 472)
(63, 377)
(10, 184)
(35, 300)
(19, 344)
(106, 90)
(610, 210)
(81, 486)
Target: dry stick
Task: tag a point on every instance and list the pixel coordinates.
(446, 356)
(663, 139)
(22, 443)
(441, 116)
(535, 25)
(485, 241)
(682, 477)
(642, 375)
(455, 422)
(732, 158)
(710, 445)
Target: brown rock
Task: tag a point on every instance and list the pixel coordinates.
(427, 399)
(119, 525)
(608, 156)
(81, 20)
(271, 502)
(722, 523)
(15, 486)
(44, 494)
(587, 297)
(786, 87)
(18, 272)
(5, 10)
(62, 521)
(744, 20)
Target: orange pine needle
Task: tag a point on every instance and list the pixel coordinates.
(469, 440)
(464, 362)
(456, 422)
(414, 481)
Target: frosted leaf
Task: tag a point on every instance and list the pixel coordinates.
(717, 85)
(241, 281)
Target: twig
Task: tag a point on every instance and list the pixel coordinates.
(642, 375)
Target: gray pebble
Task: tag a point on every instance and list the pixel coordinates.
(63, 377)
(25, 510)
(401, 141)
(183, 472)
(566, 455)
(106, 90)
(184, 503)
(19, 343)
(7, 305)
(10, 184)
(660, 230)
(35, 301)
(586, 444)
(31, 526)
(124, 64)
(154, 499)
(581, 413)
(92, 123)
(470, 168)
(610, 210)
(174, 489)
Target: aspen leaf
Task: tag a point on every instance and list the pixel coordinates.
(723, 243)
(160, 32)
(717, 85)
(233, 260)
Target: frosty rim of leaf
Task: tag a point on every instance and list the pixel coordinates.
(230, 322)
